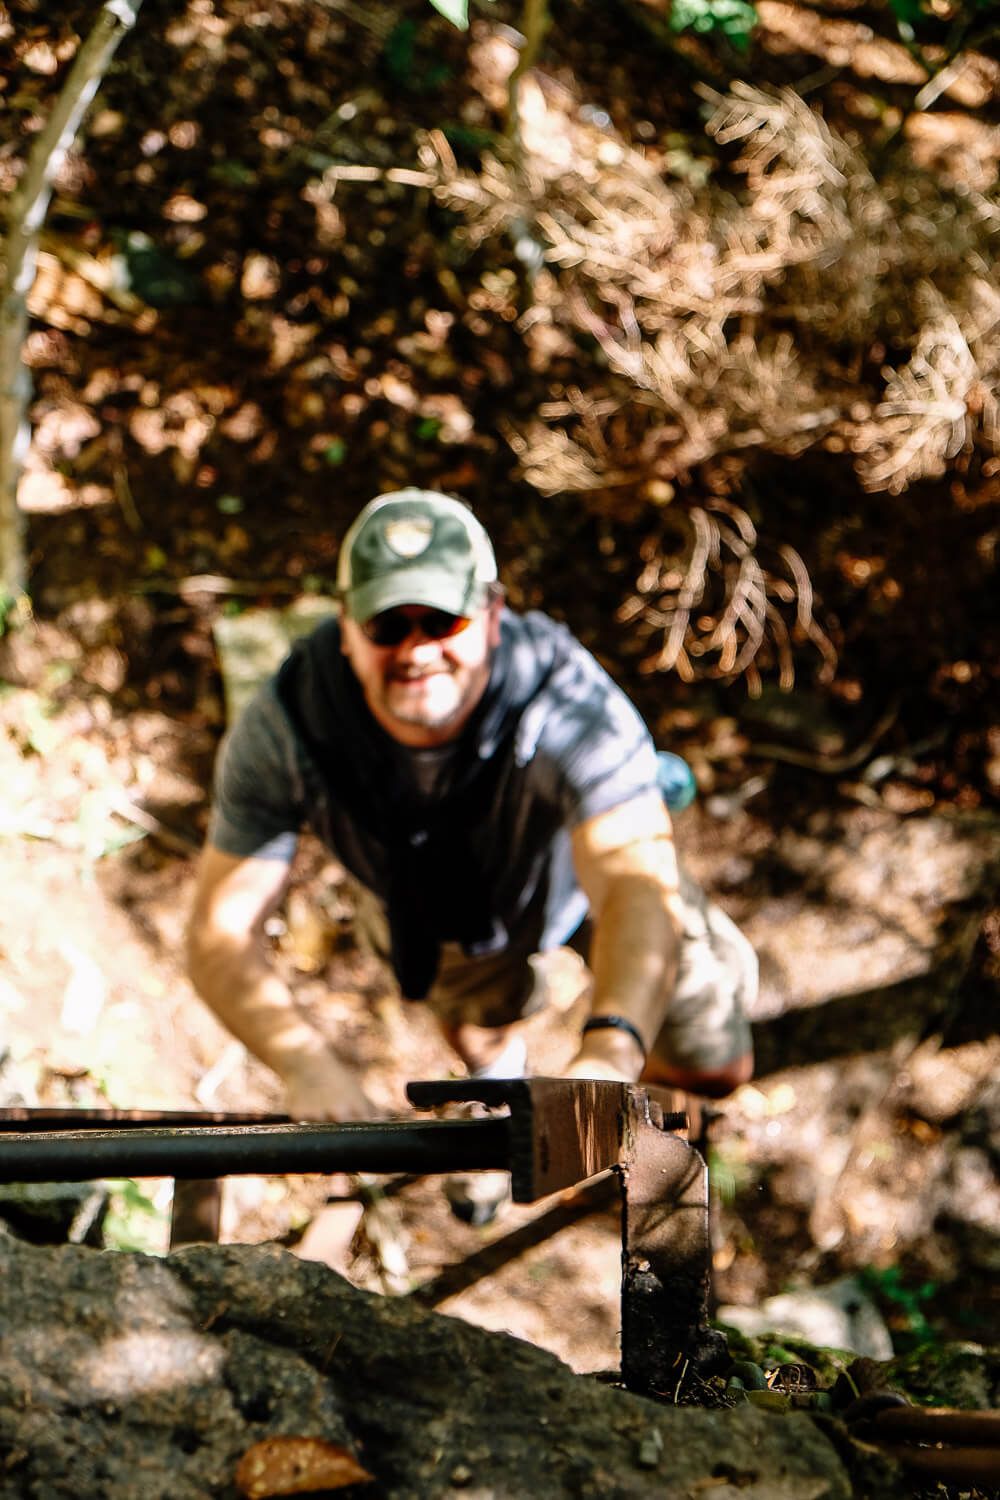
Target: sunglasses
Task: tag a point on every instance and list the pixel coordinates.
(393, 626)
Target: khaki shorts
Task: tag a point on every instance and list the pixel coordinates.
(707, 1025)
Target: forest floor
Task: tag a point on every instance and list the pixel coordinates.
(199, 457)
(867, 1142)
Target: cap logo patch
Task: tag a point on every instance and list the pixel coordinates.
(409, 538)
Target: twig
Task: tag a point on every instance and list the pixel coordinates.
(125, 498)
(179, 843)
(361, 15)
(680, 1381)
(941, 81)
(28, 207)
(535, 23)
(830, 765)
(214, 583)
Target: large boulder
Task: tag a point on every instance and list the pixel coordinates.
(124, 1376)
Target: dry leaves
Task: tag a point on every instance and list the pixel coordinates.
(296, 1466)
(719, 309)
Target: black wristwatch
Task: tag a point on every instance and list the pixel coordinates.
(616, 1023)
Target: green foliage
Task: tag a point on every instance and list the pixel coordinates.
(905, 1303)
(232, 174)
(766, 1351)
(729, 1172)
(403, 56)
(155, 275)
(95, 831)
(469, 139)
(410, 62)
(133, 1221)
(732, 19)
(911, 15)
(962, 1375)
(908, 14)
(8, 613)
(41, 733)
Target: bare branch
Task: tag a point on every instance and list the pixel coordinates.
(535, 22)
(25, 216)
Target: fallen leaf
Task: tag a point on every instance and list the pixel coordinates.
(296, 1466)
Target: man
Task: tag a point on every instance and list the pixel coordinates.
(493, 795)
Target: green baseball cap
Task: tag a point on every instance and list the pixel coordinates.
(415, 547)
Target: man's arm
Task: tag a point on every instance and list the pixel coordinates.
(229, 969)
(627, 866)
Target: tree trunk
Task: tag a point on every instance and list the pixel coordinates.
(26, 214)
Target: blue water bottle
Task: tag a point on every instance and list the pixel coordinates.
(676, 780)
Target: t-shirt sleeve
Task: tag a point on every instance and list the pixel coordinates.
(258, 798)
(603, 752)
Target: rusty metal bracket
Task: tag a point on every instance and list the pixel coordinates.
(563, 1131)
(666, 1254)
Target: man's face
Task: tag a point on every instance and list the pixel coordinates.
(421, 690)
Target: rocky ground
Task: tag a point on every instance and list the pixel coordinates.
(225, 1372)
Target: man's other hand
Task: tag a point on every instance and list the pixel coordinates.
(321, 1088)
(589, 1065)
(609, 1052)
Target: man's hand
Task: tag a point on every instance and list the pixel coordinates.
(319, 1087)
(608, 1054)
(585, 1066)
(231, 973)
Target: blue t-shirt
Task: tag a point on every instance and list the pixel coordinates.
(475, 837)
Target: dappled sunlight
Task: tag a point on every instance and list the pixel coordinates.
(43, 491)
(147, 1360)
(681, 346)
(669, 297)
(848, 42)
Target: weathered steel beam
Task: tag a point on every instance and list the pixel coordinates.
(221, 1151)
(28, 1118)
